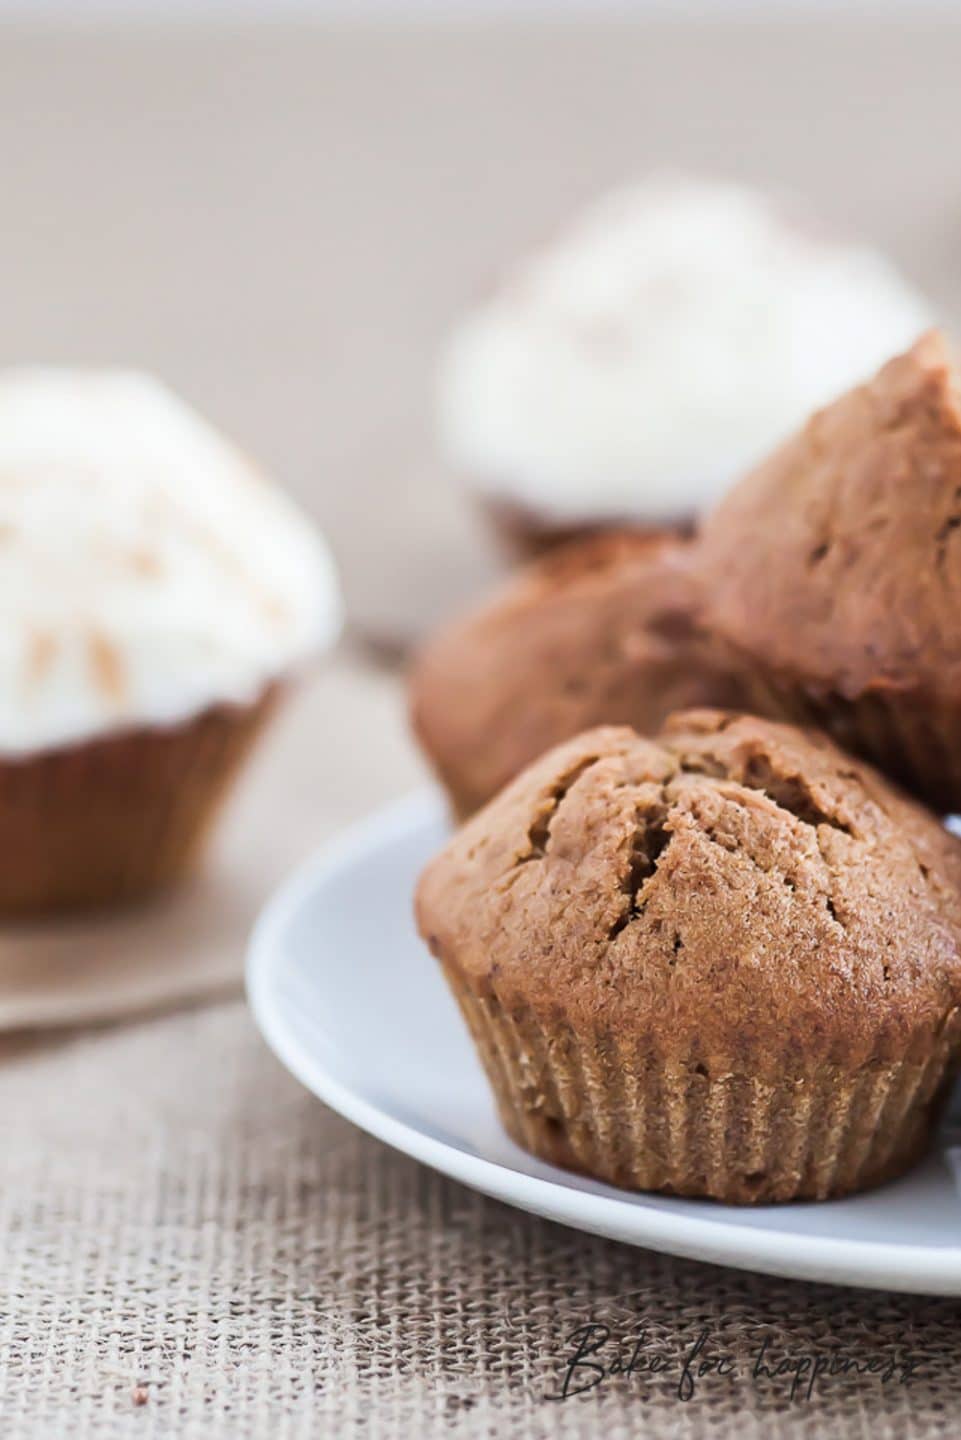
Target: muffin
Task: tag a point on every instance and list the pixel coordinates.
(725, 962)
(629, 370)
(602, 631)
(157, 596)
(833, 574)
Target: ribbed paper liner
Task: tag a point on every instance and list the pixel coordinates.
(117, 817)
(648, 1122)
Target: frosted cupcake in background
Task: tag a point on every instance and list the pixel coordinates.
(629, 371)
(156, 595)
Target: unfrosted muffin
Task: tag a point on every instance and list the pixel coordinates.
(630, 369)
(603, 631)
(155, 594)
(725, 962)
(833, 574)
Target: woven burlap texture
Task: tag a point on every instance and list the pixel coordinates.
(194, 1247)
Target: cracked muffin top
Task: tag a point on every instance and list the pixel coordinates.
(839, 558)
(603, 631)
(733, 882)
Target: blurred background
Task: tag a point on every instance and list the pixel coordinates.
(281, 208)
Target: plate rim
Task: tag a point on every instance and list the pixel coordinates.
(871, 1264)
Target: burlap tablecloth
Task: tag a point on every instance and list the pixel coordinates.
(194, 1247)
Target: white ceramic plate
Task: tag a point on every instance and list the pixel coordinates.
(356, 1008)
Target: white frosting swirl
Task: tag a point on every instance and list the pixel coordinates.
(146, 570)
(659, 347)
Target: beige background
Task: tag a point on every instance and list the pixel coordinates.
(283, 221)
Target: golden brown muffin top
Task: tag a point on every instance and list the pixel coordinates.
(735, 887)
(840, 555)
(602, 631)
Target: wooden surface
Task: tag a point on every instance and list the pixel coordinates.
(284, 220)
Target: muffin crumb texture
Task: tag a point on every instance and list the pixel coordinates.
(832, 574)
(604, 630)
(724, 962)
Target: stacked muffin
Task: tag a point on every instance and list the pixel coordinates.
(834, 572)
(724, 960)
(602, 631)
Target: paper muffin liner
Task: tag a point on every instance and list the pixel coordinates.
(914, 743)
(523, 534)
(686, 1126)
(117, 817)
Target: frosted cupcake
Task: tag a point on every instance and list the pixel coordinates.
(631, 369)
(155, 597)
